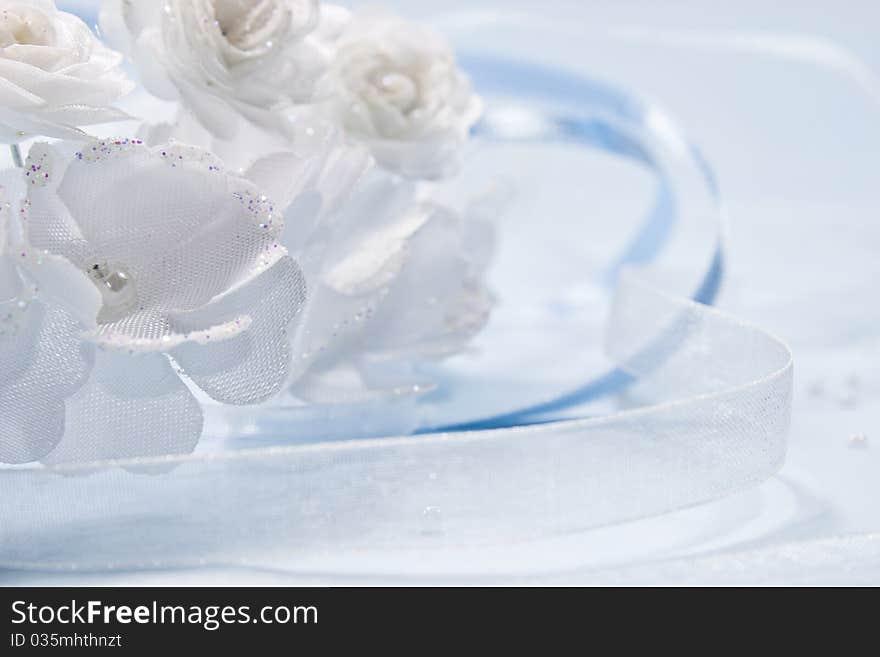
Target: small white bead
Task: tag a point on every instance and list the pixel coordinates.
(117, 290)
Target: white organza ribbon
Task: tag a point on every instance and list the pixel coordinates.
(729, 386)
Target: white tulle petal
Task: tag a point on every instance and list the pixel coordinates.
(252, 365)
(131, 406)
(180, 229)
(378, 258)
(42, 363)
(284, 175)
(396, 278)
(351, 267)
(61, 284)
(318, 158)
(438, 302)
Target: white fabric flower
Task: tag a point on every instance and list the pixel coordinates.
(397, 88)
(54, 74)
(395, 279)
(159, 252)
(222, 58)
(394, 276)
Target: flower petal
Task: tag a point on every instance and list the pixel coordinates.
(42, 363)
(370, 242)
(285, 175)
(351, 267)
(184, 230)
(438, 301)
(131, 407)
(251, 366)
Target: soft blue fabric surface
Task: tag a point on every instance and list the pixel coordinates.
(784, 104)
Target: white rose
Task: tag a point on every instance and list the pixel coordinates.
(54, 74)
(400, 91)
(223, 59)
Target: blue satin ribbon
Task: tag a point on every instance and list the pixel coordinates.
(614, 122)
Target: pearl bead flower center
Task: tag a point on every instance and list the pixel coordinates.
(117, 290)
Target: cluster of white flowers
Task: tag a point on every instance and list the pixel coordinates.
(240, 66)
(282, 236)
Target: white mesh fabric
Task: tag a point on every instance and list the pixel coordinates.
(133, 406)
(439, 300)
(285, 175)
(9, 280)
(42, 362)
(182, 228)
(343, 163)
(350, 263)
(393, 278)
(213, 287)
(326, 169)
(251, 366)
